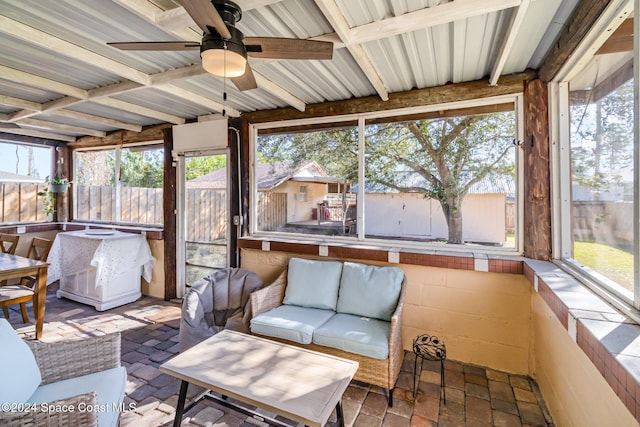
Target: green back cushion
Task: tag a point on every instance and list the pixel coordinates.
(19, 372)
(313, 283)
(369, 291)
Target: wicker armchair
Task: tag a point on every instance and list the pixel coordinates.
(68, 360)
(379, 372)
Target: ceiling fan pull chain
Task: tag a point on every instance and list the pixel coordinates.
(224, 80)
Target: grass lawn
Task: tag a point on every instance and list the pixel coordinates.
(611, 262)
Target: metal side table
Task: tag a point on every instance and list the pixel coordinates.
(428, 347)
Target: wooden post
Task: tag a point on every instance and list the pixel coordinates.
(537, 184)
(63, 200)
(235, 145)
(170, 224)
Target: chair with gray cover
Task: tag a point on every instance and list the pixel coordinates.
(216, 302)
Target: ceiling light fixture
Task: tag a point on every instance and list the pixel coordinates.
(224, 57)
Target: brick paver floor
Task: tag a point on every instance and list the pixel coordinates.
(476, 396)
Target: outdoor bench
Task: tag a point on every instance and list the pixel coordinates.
(349, 310)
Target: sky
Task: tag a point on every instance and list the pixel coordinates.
(9, 159)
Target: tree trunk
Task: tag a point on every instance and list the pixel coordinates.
(452, 209)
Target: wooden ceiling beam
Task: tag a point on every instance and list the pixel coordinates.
(104, 92)
(149, 133)
(427, 17)
(139, 109)
(91, 118)
(10, 101)
(62, 47)
(332, 13)
(38, 82)
(42, 124)
(584, 19)
(620, 41)
(37, 134)
(174, 21)
(197, 99)
(279, 92)
(507, 85)
(507, 44)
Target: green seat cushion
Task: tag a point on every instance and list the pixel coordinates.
(109, 386)
(290, 322)
(313, 283)
(355, 334)
(369, 290)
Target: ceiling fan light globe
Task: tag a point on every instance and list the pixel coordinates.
(214, 62)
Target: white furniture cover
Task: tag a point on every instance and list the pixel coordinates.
(100, 267)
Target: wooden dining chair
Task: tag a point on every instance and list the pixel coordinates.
(16, 294)
(9, 243)
(23, 293)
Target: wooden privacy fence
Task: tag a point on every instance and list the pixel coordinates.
(206, 215)
(19, 202)
(272, 210)
(137, 205)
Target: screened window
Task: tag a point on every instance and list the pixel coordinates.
(303, 180)
(597, 220)
(23, 170)
(120, 185)
(602, 179)
(440, 177)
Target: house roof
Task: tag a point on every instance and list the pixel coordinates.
(59, 79)
(268, 176)
(14, 177)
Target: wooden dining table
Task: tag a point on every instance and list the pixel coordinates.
(15, 267)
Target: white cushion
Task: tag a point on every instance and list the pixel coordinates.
(290, 322)
(313, 283)
(18, 368)
(369, 291)
(108, 385)
(355, 334)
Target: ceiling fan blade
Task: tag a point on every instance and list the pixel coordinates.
(156, 45)
(246, 81)
(283, 48)
(205, 14)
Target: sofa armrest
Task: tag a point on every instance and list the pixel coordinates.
(396, 350)
(270, 296)
(41, 415)
(67, 359)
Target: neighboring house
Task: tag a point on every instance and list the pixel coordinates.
(14, 177)
(487, 211)
(305, 187)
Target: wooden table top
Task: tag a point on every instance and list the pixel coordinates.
(299, 384)
(12, 266)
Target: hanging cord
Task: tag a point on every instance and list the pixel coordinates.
(224, 80)
(584, 113)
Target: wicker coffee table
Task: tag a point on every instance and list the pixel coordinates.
(297, 384)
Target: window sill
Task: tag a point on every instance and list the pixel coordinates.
(445, 258)
(610, 339)
(151, 233)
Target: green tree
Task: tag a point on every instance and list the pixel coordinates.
(441, 158)
(602, 139)
(199, 166)
(142, 169)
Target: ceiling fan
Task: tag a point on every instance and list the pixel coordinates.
(224, 49)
